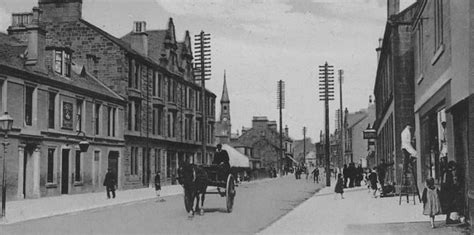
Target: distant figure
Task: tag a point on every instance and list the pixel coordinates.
(346, 175)
(315, 175)
(158, 184)
(339, 188)
(431, 203)
(109, 183)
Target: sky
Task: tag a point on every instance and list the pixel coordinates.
(259, 42)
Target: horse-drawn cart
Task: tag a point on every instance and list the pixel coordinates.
(196, 179)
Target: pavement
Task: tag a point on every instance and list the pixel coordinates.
(31, 209)
(359, 213)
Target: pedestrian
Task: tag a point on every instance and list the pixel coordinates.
(373, 181)
(315, 175)
(109, 183)
(346, 175)
(339, 188)
(431, 203)
(158, 185)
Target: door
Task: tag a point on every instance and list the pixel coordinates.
(113, 163)
(65, 171)
(146, 167)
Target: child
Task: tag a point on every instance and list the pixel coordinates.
(339, 188)
(431, 203)
(373, 181)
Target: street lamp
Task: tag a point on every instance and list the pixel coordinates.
(6, 122)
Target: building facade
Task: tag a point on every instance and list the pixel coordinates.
(394, 92)
(442, 35)
(55, 104)
(153, 72)
(356, 147)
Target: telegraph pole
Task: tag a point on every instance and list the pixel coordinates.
(202, 69)
(326, 93)
(304, 145)
(341, 117)
(280, 106)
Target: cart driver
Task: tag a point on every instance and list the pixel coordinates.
(221, 159)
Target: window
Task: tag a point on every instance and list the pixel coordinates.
(154, 85)
(130, 73)
(137, 75)
(160, 81)
(169, 89)
(160, 119)
(79, 105)
(137, 115)
(170, 124)
(130, 115)
(154, 120)
(58, 62)
(67, 64)
(77, 172)
(62, 62)
(97, 119)
(111, 114)
(51, 109)
(133, 161)
(438, 21)
(29, 105)
(50, 174)
(420, 46)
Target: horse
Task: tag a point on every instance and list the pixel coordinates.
(194, 180)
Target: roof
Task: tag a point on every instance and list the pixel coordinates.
(11, 53)
(236, 158)
(225, 93)
(156, 40)
(354, 118)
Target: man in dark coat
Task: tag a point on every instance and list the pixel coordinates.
(221, 158)
(109, 183)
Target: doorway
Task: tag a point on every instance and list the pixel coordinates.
(65, 171)
(113, 164)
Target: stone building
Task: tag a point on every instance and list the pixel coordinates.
(442, 34)
(394, 92)
(154, 73)
(55, 103)
(356, 147)
(264, 140)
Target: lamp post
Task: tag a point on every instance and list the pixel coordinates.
(6, 122)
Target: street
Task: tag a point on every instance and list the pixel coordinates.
(257, 205)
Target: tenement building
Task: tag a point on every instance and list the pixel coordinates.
(155, 120)
(55, 103)
(393, 89)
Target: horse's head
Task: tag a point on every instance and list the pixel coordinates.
(186, 174)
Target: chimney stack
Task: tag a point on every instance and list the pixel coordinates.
(287, 133)
(139, 40)
(393, 7)
(61, 10)
(36, 41)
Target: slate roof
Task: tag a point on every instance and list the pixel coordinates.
(11, 51)
(156, 40)
(354, 118)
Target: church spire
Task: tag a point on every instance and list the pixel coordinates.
(225, 94)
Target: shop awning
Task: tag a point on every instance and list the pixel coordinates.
(236, 158)
(290, 157)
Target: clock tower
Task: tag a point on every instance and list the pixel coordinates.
(225, 111)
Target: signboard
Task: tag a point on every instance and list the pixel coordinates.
(370, 134)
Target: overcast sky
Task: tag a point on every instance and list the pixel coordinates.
(259, 42)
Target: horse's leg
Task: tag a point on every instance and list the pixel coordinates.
(197, 202)
(203, 196)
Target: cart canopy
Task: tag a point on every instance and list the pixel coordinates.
(236, 158)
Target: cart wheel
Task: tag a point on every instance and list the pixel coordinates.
(230, 193)
(188, 204)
